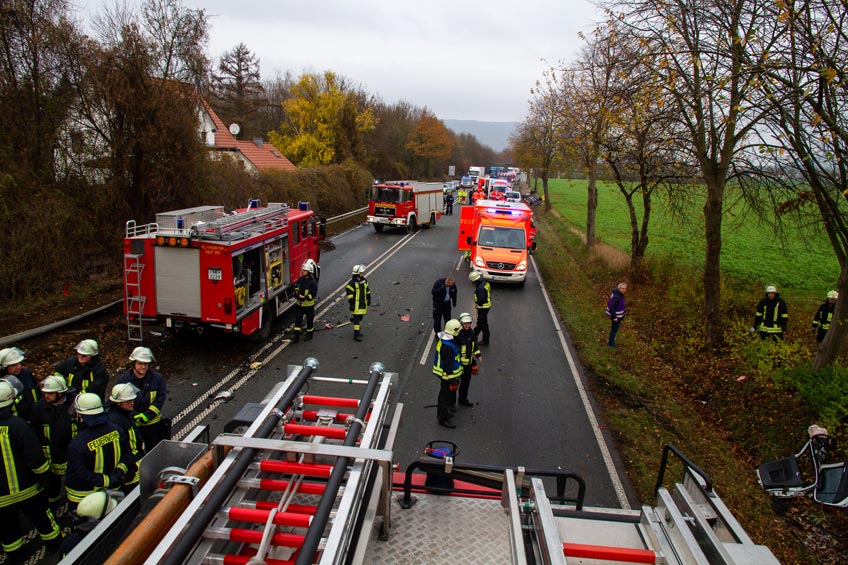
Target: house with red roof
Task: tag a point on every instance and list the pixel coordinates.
(256, 155)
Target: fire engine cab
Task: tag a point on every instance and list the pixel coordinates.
(204, 267)
(405, 204)
(497, 237)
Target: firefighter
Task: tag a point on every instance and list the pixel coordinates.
(772, 315)
(358, 298)
(11, 364)
(99, 456)
(52, 419)
(24, 467)
(444, 296)
(470, 356)
(447, 365)
(306, 291)
(147, 410)
(84, 372)
(824, 316)
(483, 301)
(90, 511)
(120, 412)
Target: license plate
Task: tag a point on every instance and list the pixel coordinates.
(215, 275)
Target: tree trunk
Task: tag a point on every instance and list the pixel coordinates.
(712, 263)
(545, 190)
(646, 218)
(591, 207)
(835, 337)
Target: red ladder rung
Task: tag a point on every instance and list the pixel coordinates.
(322, 470)
(330, 401)
(261, 516)
(609, 553)
(304, 488)
(230, 559)
(296, 508)
(307, 430)
(243, 535)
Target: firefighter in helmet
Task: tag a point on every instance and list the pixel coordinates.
(11, 365)
(470, 356)
(120, 410)
(53, 421)
(358, 298)
(24, 465)
(90, 511)
(483, 301)
(147, 410)
(772, 315)
(824, 316)
(305, 292)
(85, 372)
(99, 456)
(447, 365)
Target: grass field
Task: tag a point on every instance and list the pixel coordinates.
(751, 250)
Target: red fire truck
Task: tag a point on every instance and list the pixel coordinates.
(405, 204)
(497, 237)
(202, 267)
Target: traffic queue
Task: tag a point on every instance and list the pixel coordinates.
(68, 444)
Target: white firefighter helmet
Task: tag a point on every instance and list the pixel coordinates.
(452, 327)
(88, 404)
(465, 318)
(96, 505)
(142, 354)
(87, 347)
(10, 356)
(7, 393)
(359, 269)
(771, 288)
(309, 266)
(123, 392)
(474, 276)
(833, 294)
(54, 383)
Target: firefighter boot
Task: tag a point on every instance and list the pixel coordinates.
(295, 337)
(308, 335)
(357, 335)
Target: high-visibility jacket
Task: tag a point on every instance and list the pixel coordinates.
(95, 455)
(772, 315)
(23, 460)
(469, 349)
(123, 419)
(358, 295)
(26, 399)
(147, 409)
(483, 295)
(91, 377)
(55, 426)
(824, 316)
(307, 288)
(447, 363)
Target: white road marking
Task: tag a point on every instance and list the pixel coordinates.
(584, 397)
(426, 354)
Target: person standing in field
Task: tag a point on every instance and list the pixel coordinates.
(772, 315)
(824, 316)
(615, 311)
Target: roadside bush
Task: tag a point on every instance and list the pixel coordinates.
(825, 392)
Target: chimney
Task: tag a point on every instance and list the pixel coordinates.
(258, 141)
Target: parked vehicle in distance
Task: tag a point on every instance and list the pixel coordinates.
(513, 196)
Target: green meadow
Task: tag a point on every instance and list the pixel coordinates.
(752, 250)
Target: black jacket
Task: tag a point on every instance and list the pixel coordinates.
(23, 456)
(91, 377)
(55, 426)
(439, 293)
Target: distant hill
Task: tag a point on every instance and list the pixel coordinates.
(493, 134)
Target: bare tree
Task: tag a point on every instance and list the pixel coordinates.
(237, 89)
(540, 132)
(702, 53)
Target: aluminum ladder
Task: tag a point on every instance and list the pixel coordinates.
(133, 299)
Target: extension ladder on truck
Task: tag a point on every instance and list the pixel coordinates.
(292, 484)
(133, 269)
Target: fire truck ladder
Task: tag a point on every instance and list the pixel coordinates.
(243, 224)
(133, 298)
(291, 488)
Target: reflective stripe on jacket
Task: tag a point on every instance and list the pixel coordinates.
(23, 459)
(772, 315)
(483, 295)
(446, 361)
(358, 295)
(307, 287)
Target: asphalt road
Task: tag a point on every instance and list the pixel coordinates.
(529, 408)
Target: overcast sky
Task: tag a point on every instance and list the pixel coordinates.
(462, 59)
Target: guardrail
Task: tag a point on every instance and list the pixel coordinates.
(347, 215)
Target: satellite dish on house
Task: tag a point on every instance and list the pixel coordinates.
(235, 128)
